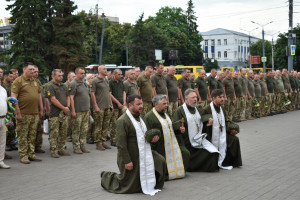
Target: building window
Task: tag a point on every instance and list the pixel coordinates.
(219, 54)
(206, 55)
(225, 41)
(219, 42)
(235, 54)
(212, 55)
(225, 54)
(212, 42)
(206, 42)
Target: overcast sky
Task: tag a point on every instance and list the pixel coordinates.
(228, 14)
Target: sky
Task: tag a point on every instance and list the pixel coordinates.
(229, 14)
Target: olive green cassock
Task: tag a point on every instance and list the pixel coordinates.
(200, 159)
(152, 122)
(129, 181)
(233, 153)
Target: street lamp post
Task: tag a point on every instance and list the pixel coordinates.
(102, 35)
(273, 49)
(263, 39)
(250, 66)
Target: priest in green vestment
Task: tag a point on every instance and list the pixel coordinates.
(177, 157)
(201, 159)
(141, 170)
(232, 155)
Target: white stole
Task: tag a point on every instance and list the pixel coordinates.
(147, 170)
(197, 138)
(219, 137)
(172, 151)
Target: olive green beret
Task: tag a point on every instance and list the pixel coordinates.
(151, 133)
(231, 126)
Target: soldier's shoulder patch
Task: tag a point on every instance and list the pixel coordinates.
(14, 86)
(91, 85)
(69, 89)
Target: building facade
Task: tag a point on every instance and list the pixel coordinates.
(229, 48)
(5, 43)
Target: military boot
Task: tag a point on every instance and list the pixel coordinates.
(54, 155)
(78, 151)
(84, 149)
(106, 146)
(100, 147)
(25, 160)
(64, 153)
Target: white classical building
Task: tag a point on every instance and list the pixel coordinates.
(229, 48)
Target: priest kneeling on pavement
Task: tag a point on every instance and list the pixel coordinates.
(203, 155)
(222, 134)
(141, 170)
(177, 157)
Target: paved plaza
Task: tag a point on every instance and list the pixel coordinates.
(271, 170)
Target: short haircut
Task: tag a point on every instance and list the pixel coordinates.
(185, 69)
(158, 98)
(188, 91)
(35, 66)
(213, 70)
(6, 73)
(216, 93)
(27, 64)
(131, 98)
(148, 67)
(14, 70)
(117, 70)
(55, 71)
(77, 69)
(69, 74)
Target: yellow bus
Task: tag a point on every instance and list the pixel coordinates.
(180, 70)
(259, 69)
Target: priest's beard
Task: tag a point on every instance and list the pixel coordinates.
(191, 104)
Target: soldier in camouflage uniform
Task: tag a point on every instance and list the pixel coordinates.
(100, 93)
(298, 98)
(294, 93)
(211, 83)
(264, 95)
(250, 97)
(200, 86)
(239, 97)
(28, 110)
(244, 83)
(145, 89)
(280, 93)
(71, 76)
(118, 95)
(80, 106)
(58, 95)
(287, 87)
(230, 98)
(172, 91)
(40, 127)
(257, 99)
(271, 97)
(297, 89)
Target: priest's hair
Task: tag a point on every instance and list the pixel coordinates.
(157, 99)
(188, 91)
(131, 98)
(216, 93)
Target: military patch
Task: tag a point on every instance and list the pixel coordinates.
(14, 86)
(69, 89)
(35, 84)
(91, 86)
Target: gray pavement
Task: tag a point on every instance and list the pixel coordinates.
(271, 170)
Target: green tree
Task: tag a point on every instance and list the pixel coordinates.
(28, 34)
(280, 56)
(195, 53)
(256, 49)
(210, 64)
(68, 43)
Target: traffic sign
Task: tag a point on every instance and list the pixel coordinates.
(263, 59)
(293, 50)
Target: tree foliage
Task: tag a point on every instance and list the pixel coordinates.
(256, 49)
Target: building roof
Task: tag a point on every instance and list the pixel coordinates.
(222, 31)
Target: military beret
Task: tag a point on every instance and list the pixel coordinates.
(151, 133)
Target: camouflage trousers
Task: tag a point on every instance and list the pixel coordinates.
(101, 121)
(26, 133)
(58, 129)
(69, 131)
(147, 107)
(294, 100)
(271, 103)
(243, 106)
(80, 127)
(264, 100)
(202, 104)
(115, 115)
(90, 133)
(298, 100)
(238, 108)
(229, 108)
(39, 134)
(11, 132)
(279, 102)
(172, 107)
(290, 107)
(249, 108)
(257, 109)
